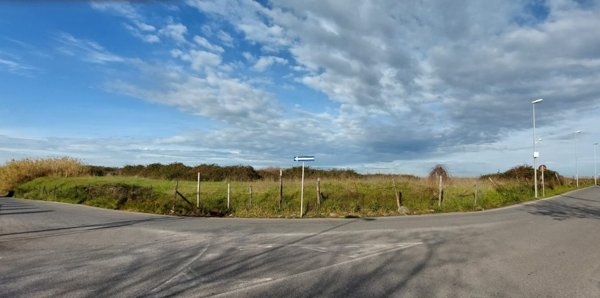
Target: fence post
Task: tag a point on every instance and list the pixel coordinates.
(280, 188)
(175, 195)
(543, 186)
(228, 194)
(398, 198)
(318, 192)
(440, 190)
(198, 192)
(250, 193)
(475, 195)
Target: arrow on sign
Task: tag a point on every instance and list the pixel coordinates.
(304, 158)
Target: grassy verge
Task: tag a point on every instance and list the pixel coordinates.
(343, 197)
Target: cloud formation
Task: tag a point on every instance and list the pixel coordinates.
(355, 82)
(470, 67)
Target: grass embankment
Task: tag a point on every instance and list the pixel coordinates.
(371, 196)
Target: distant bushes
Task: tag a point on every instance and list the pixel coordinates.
(16, 172)
(213, 172)
(522, 172)
(208, 172)
(296, 172)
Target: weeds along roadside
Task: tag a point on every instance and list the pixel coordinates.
(342, 197)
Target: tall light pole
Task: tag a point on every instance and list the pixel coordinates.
(595, 165)
(576, 161)
(535, 153)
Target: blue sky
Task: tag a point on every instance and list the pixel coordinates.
(381, 86)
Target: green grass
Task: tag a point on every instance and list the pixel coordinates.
(372, 196)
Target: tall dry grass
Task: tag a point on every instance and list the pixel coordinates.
(16, 172)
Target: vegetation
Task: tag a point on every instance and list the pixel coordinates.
(256, 193)
(16, 172)
(372, 196)
(524, 172)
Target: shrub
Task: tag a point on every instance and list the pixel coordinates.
(16, 172)
(437, 171)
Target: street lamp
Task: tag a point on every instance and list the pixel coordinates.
(595, 165)
(576, 161)
(535, 153)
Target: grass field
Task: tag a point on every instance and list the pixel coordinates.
(371, 196)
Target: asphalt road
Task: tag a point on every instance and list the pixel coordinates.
(548, 248)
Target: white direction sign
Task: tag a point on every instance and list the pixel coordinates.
(304, 158)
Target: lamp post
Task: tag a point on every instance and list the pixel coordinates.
(576, 161)
(595, 165)
(535, 153)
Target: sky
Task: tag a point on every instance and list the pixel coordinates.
(375, 86)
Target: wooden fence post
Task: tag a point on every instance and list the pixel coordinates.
(475, 194)
(250, 193)
(318, 192)
(397, 194)
(175, 195)
(228, 194)
(280, 188)
(198, 192)
(440, 190)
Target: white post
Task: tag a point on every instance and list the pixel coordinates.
(198, 192)
(228, 194)
(576, 161)
(302, 193)
(534, 167)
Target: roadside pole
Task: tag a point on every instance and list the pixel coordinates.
(302, 193)
(303, 159)
(198, 192)
(228, 194)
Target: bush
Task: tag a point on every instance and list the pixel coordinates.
(437, 171)
(522, 172)
(16, 172)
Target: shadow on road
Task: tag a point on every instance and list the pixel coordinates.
(108, 225)
(570, 207)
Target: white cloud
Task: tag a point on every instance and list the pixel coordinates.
(121, 8)
(136, 26)
(175, 31)
(424, 62)
(208, 93)
(225, 38)
(248, 56)
(146, 37)
(16, 67)
(203, 42)
(248, 18)
(198, 59)
(266, 61)
(88, 50)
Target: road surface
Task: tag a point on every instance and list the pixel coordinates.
(549, 248)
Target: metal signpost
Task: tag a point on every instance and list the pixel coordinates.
(303, 158)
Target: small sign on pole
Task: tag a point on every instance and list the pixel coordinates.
(303, 158)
